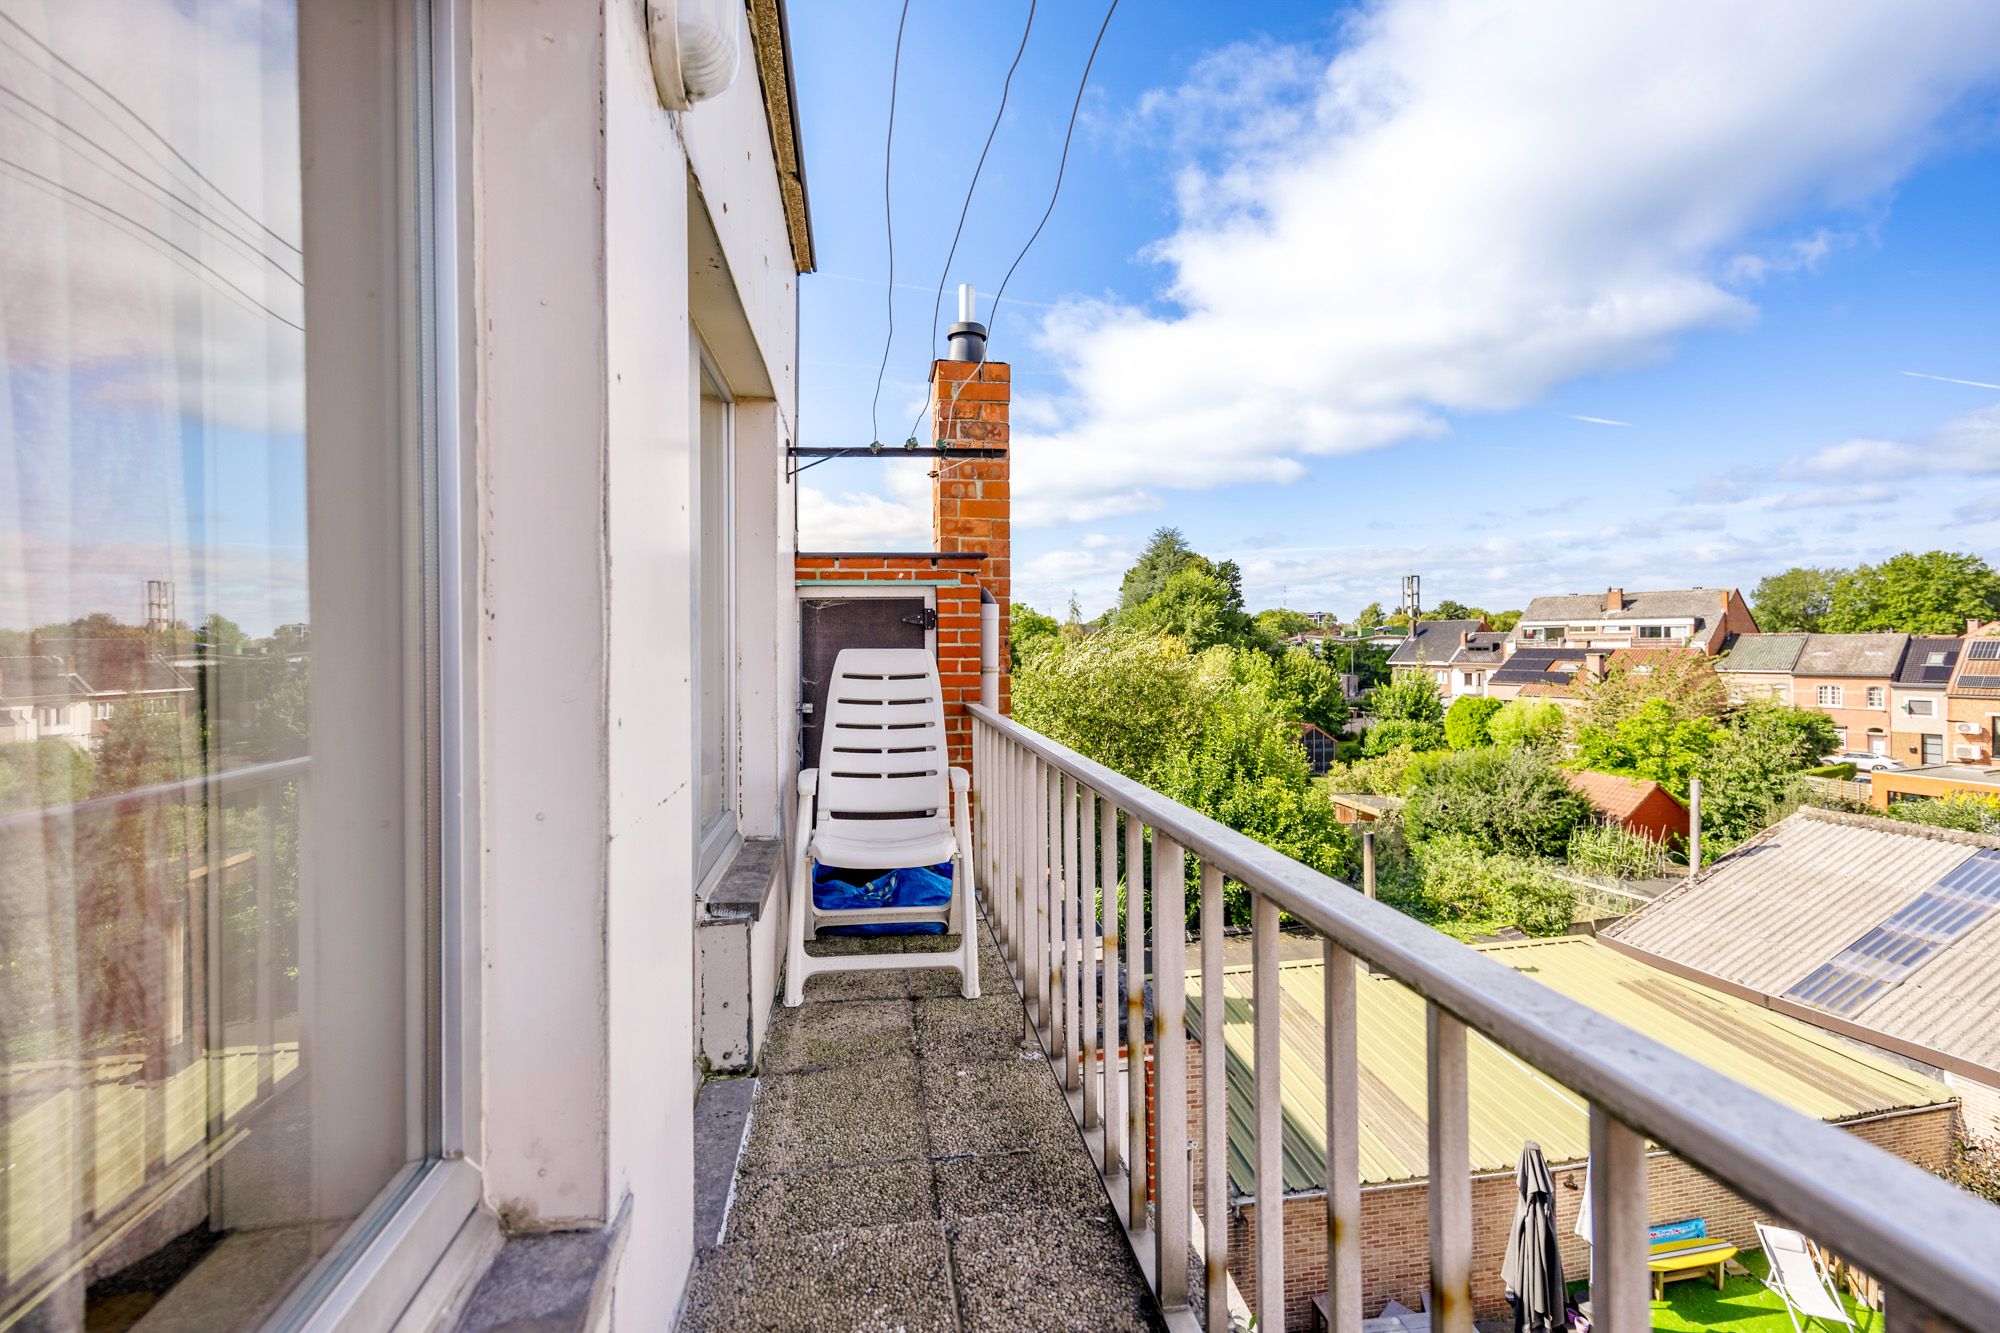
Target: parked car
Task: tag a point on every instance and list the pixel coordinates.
(1864, 761)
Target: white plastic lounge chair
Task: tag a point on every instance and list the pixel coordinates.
(1798, 1275)
(884, 797)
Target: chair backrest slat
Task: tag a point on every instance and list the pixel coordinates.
(883, 748)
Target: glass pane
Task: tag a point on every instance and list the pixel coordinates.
(203, 850)
(714, 629)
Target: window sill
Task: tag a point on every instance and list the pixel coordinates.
(740, 887)
(553, 1282)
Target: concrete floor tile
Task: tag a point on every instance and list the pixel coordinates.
(988, 1106)
(877, 1278)
(819, 1036)
(1048, 1270)
(801, 1203)
(954, 1028)
(1034, 1181)
(842, 1116)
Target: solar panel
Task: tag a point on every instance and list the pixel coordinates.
(1979, 682)
(1983, 650)
(1887, 955)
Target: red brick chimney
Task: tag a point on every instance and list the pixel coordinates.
(1614, 599)
(972, 510)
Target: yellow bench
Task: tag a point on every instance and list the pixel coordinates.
(1672, 1260)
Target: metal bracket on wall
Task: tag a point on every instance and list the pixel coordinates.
(910, 450)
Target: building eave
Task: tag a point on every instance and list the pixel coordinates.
(772, 36)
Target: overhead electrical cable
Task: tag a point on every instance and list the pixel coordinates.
(889, 226)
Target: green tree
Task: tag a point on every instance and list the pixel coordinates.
(1539, 723)
(1449, 609)
(43, 773)
(1407, 698)
(1193, 606)
(1749, 777)
(1964, 810)
(1656, 741)
(1796, 601)
(1503, 621)
(220, 634)
(1503, 800)
(1124, 699)
(1027, 630)
(1932, 593)
(1303, 687)
(1465, 722)
(1683, 679)
(1166, 555)
(1281, 623)
(1371, 618)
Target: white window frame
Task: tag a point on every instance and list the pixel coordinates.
(1922, 707)
(1829, 696)
(1877, 697)
(717, 844)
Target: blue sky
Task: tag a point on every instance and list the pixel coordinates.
(1333, 293)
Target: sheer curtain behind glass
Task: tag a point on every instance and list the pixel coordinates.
(203, 843)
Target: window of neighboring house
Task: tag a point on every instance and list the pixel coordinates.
(715, 653)
(1877, 696)
(1840, 738)
(236, 1085)
(1829, 696)
(1654, 632)
(1923, 708)
(1934, 659)
(1878, 741)
(1470, 679)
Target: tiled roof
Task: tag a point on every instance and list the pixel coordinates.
(1587, 607)
(1432, 642)
(1979, 670)
(1611, 793)
(1762, 652)
(37, 679)
(119, 665)
(1808, 1069)
(1770, 913)
(1929, 659)
(1877, 655)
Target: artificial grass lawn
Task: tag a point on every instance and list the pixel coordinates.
(1744, 1305)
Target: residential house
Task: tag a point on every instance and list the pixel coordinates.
(1759, 666)
(1535, 672)
(1848, 677)
(1972, 700)
(1637, 805)
(1700, 618)
(1919, 705)
(1872, 1096)
(42, 699)
(1456, 655)
(1884, 932)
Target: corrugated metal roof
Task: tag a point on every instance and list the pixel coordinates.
(1807, 1069)
(1791, 898)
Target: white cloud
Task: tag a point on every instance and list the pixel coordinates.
(863, 520)
(1984, 509)
(1834, 497)
(1596, 421)
(1967, 445)
(1947, 379)
(1474, 204)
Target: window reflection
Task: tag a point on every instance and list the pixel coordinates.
(181, 1137)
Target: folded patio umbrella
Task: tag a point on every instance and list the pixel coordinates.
(1533, 1269)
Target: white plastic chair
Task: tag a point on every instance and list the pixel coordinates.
(1799, 1278)
(883, 798)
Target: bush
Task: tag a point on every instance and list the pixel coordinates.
(1531, 722)
(1389, 774)
(1616, 852)
(1465, 722)
(1403, 734)
(1842, 772)
(1966, 811)
(1124, 699)
(1503, 800)
(1407, 698)
(1460, 879)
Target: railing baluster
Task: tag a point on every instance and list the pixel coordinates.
(1086, 868)
(1136, 1141)
(1450, 1175)
(1620, 1283)
(1343, 1143)
(1269, 1110)
(1170, 1215)
(1214, 1109)
(1067, 1013)
(1114, 1124)
(1043, 871)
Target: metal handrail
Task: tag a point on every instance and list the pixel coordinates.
(202, 785)
(1934, 1247)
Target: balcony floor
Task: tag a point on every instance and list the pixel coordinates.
(909, 1165)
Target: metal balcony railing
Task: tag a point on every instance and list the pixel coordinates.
(1053, 828)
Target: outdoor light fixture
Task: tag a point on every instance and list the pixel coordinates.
(697, 48)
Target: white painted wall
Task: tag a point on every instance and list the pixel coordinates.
(589, 198)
